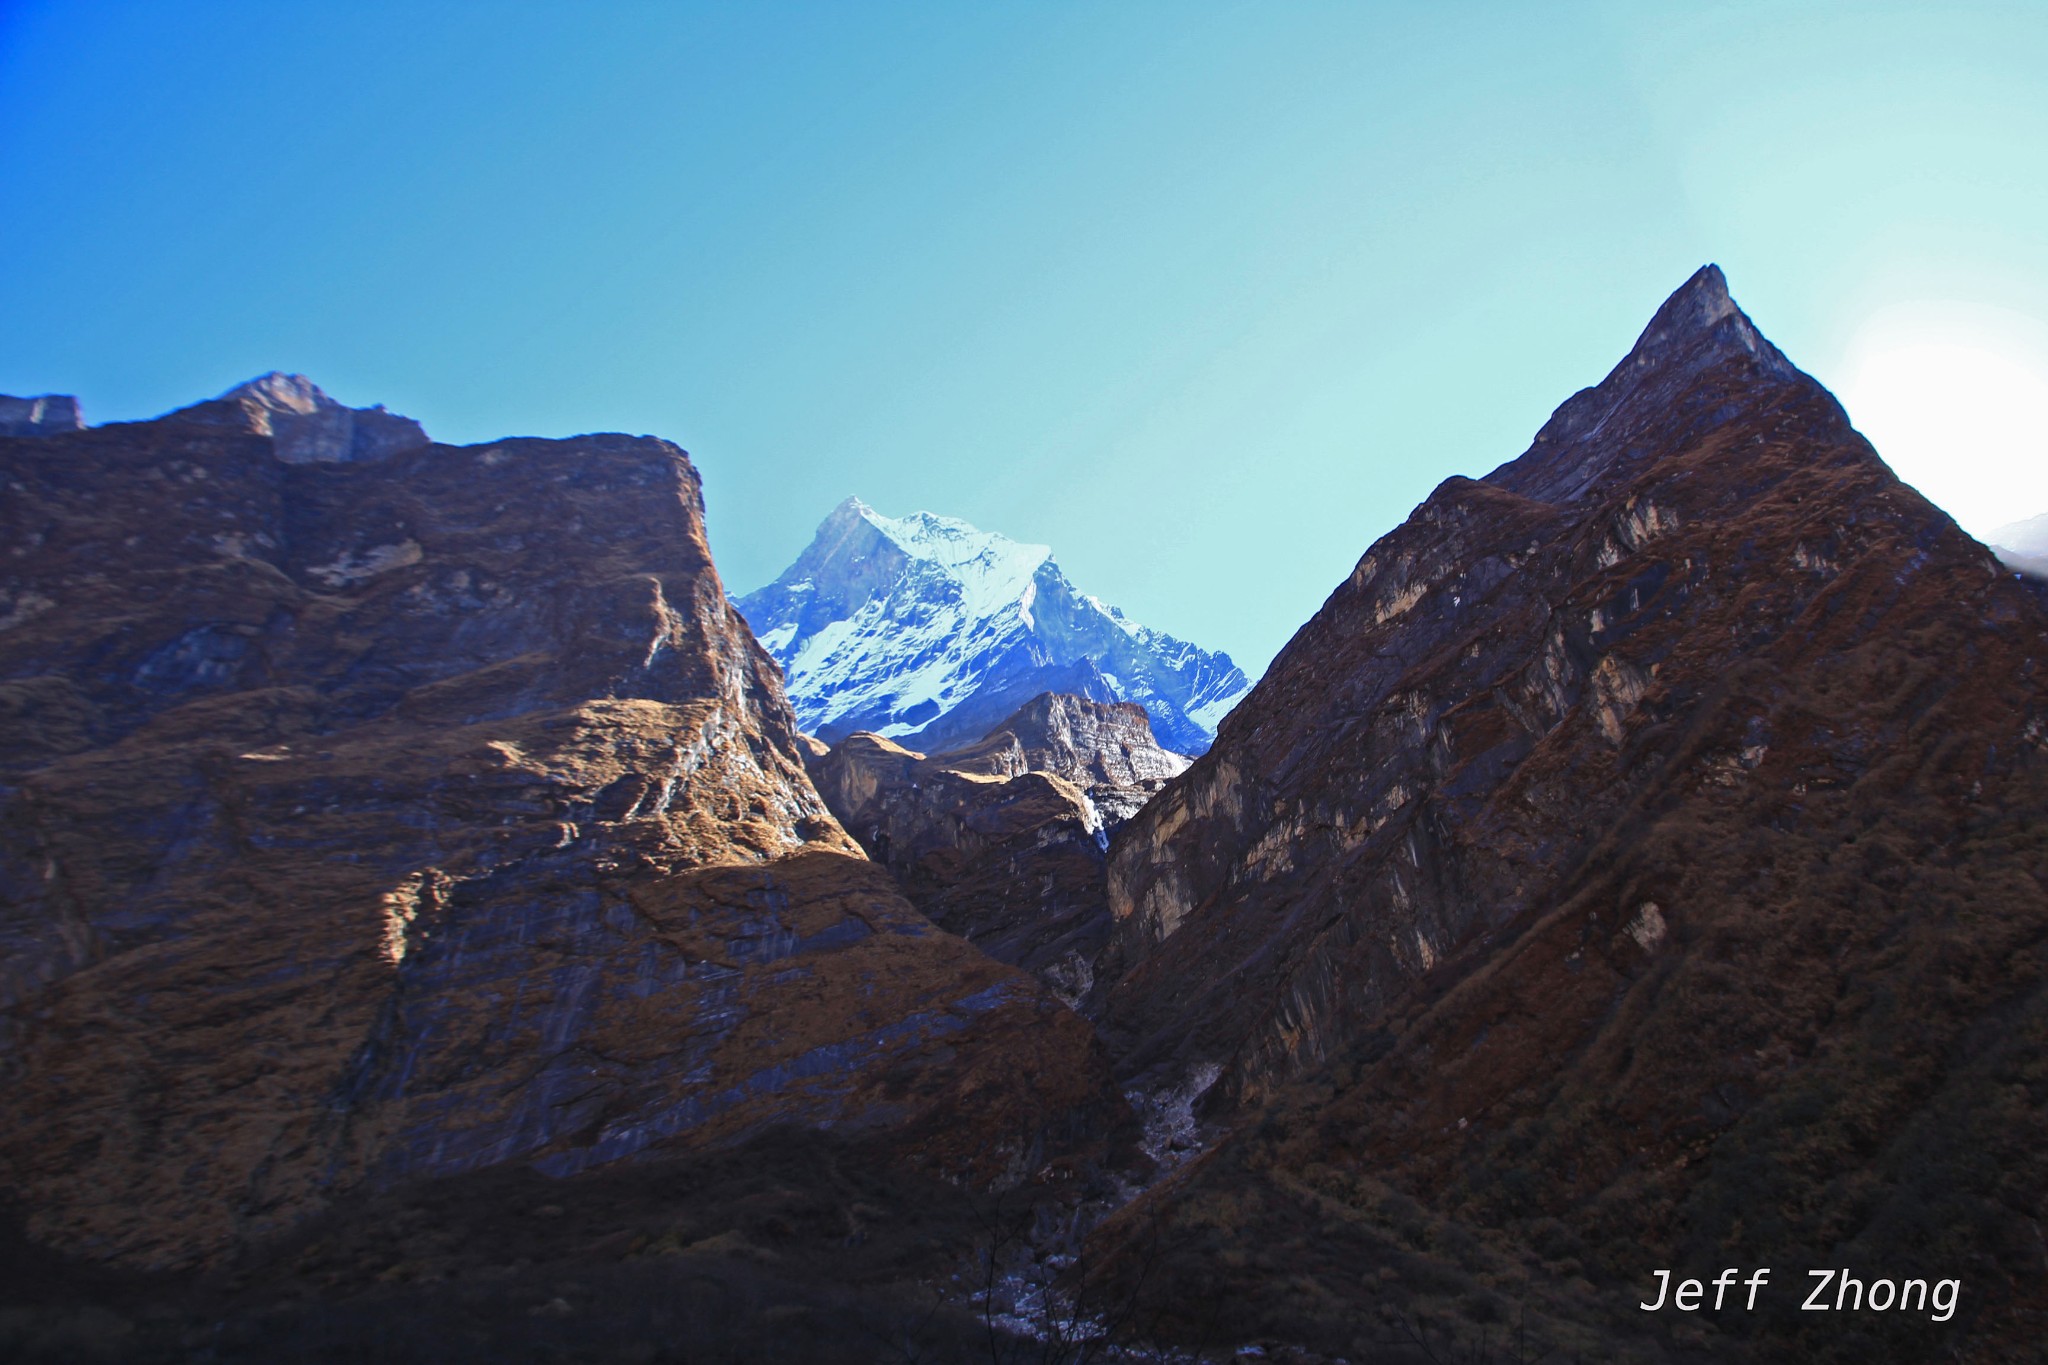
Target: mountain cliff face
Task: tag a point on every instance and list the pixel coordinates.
(374, 810)
(925, 630)
(1639, 857)
(1002, 842)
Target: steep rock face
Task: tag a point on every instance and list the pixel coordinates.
(1104, 748)
(1002, 842)
(375, 811)
(929, 631)
(46, 415)
(1643, 849)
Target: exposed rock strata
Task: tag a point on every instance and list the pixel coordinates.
(1003, 841)
(1641, 852)
(375, 811)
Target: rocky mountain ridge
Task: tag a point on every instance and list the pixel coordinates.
(1104, 748)
(307, 427)
(417, 898)
(928, 631)
(375, 812)
(1637, 863)
(1003, 841)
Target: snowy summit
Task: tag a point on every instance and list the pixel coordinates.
(929, 631)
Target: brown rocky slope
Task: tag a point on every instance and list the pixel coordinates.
(374, 810)
(1003, 841)
(1638, 863)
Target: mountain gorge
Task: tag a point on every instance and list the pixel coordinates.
(1004, 841)
(925, 630)
(437, 924)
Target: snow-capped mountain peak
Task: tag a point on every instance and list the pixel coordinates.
(992, 570)
(929, 630)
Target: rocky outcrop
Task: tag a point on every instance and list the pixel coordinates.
(308, 427)
(1003, 842)
(930, 632)
(1104, 748)
(1638, 855)
(374, 811)
(44, 416)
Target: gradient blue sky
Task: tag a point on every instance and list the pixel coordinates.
(1206, 297)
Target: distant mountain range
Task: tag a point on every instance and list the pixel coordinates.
(2023, 545)
(426, 932)
(929, 631)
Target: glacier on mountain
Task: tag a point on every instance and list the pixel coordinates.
(929, 631)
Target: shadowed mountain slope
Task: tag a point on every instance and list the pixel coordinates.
(1003, 841)
(1638, 863)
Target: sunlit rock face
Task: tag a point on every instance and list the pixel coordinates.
(376, 810)
(930, 632)
(1642, 851)
(1003, 841)
(1104, 748)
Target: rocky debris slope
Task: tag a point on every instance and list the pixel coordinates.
(373, 810)
(928, 631)
(1638, 858)
(1003, 841)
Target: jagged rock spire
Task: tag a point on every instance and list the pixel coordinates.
(1589, 438)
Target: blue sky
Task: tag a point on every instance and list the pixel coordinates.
(1206, 297)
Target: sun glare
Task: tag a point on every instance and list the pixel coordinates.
(1958, 407)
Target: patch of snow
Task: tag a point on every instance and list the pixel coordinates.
(1210, 714)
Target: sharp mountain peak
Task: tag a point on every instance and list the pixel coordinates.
(926, 626)
(1697, 331)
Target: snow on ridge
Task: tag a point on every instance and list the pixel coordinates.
(1210, 714)
(951, 541)
(965, 618)
(992, 570)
